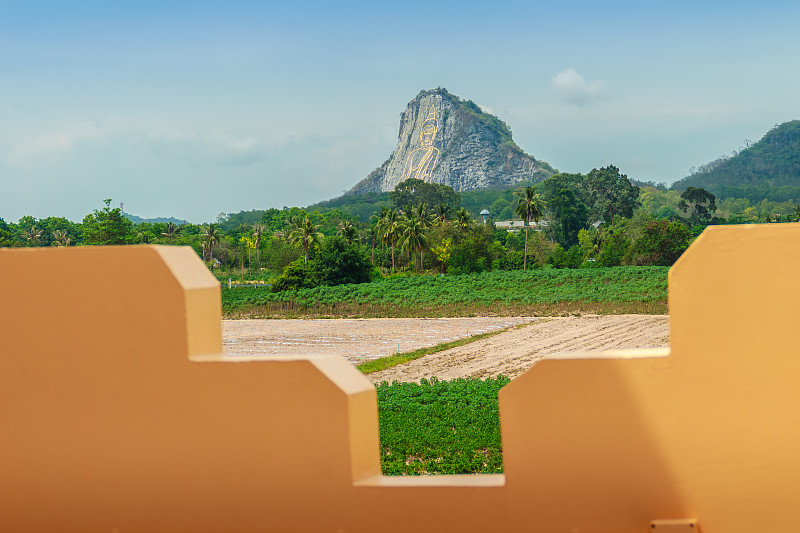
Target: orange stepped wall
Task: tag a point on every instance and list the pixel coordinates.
(119, 413)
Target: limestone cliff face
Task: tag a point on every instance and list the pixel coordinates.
(444, 139)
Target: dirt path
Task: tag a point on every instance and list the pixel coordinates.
(510, 353)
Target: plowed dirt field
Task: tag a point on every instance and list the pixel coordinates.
(510, 353)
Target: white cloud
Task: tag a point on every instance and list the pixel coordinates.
(572, 88)
(201, 148)
(52, 145)
(95, 139)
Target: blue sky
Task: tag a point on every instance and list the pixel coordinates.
(189, 109)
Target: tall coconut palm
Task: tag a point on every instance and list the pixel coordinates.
(212, 236)
(371, 236)
(305, 233)
(258, 232)
(414, 238)
(171, 231)
(32, 235)
(426, 219)
(60, 238)
(463, 219)
(378, 220)
(423, 214)
(390, 228)
(347, 230)
(143, 237)
(443, 210)
(281, 235)
(530, 207)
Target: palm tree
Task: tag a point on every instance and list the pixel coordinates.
(143, 237)
(463, 219)
(413, 237)
(423, 214)
(529, 208)
(60, 238)
(390, 226)
(32, 235)
(443, 210)
(171, 231)
(426, 219)
(372, 237)
(281, 235)
(348, 231)
(258, 232)
(212, 236)
(306, 233)
(378, 219)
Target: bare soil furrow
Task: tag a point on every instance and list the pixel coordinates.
(510, 353)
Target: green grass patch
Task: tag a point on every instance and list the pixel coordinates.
(535, 292)
(440, 427)
(383, 363)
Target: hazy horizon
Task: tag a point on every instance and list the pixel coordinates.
(187, 110)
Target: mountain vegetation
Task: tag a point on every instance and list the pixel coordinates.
(768, 169)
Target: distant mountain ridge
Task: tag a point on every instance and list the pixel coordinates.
(159, 220)
(444, 139)
(768, 169)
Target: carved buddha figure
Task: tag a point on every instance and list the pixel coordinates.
(421, 161)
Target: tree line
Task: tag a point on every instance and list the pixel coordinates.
(599, 219)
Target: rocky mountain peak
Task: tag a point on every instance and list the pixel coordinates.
(444, 139)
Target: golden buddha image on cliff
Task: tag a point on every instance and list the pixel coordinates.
(420, 162)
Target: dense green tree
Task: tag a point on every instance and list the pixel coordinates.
(68, 230)
(661, 243)
(339, 261)
(413, 192)
(472, 253)
(572, 258)
(6, 235)
(568, 216)
(699, 204)
(611, 194)
(296, 275)
(574, 182)
(614, 246)
(107, 227)
(279, 253)
(530, 207)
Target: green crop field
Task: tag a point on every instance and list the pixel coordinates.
(440, 427)
(534, 292)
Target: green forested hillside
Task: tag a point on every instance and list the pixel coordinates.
(767, 169)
